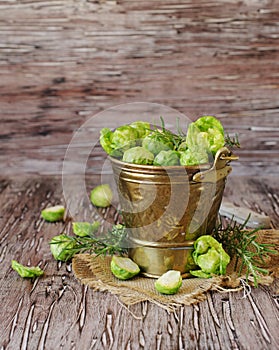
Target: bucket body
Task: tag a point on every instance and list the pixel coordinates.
(167, 208)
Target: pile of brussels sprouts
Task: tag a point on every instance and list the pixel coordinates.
(140, 143)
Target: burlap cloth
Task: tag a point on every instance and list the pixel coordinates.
(94, 271)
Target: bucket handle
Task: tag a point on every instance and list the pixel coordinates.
(219, 169)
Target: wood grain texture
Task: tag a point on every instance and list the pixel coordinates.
(62, 61)
(56, 311)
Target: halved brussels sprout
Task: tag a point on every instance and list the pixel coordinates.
(123, 268)
(169, 282)
(53, 214)
(101, 196)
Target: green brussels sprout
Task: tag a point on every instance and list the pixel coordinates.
(83, 229)
(53, 214)
(25, 271)
(101, 196)
(62, 247)
(138, 155)
(124, 137)
(193, 157)
(167, 158)
(142, 128)
(206, 133)
(210, 256)
(169, 282)
(116, 142)
(182, 147)
(157, 141)
(123, 268)
(106, 140)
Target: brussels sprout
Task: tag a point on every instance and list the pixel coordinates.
(210, 256)
(116, 142)
(101, 196)
(182, 147)
(124, 137)
(167, 158)
(206, 133)
(193, 157)
(25, 271)
(169, 282)
(83, 229)
(53, 214)
(62, 247)
(138, 155)
(157, 141)
(142, 128)
(106, 140)
(123, 268)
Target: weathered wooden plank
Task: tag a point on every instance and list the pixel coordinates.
(63, 61)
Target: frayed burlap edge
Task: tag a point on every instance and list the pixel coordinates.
(94, 271)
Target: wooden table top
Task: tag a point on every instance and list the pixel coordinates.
(57, 311)
(64, 61)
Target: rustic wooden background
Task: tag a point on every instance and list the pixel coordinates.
(62, 61)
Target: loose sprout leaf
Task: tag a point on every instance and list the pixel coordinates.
(26, 271)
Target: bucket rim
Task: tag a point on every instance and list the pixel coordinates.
(147, 167)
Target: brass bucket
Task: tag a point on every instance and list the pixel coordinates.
(167, 208)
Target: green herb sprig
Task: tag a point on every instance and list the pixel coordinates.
(232, 141)
(114, 242)
(241, 244)
(168, 136)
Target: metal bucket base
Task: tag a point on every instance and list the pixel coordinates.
(149, 275)
(155, 261)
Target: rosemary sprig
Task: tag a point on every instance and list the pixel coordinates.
(166, 136)
(242, 244)
(111, 243)
(232, 141)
